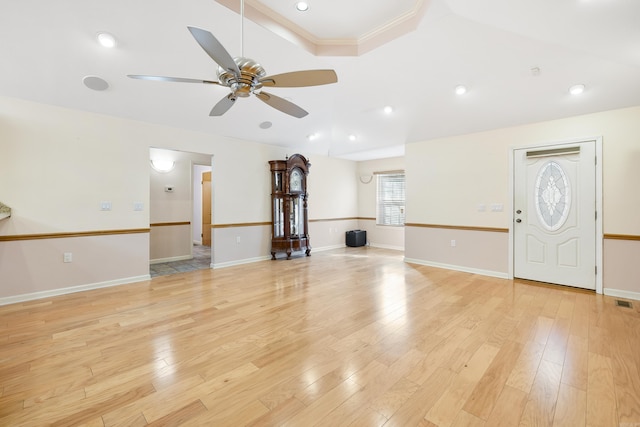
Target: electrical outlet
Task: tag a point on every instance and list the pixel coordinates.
(453, 243)
(67, 257)
(105, 206)
(238, 240)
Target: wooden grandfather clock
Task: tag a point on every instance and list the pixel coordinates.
(289, 225)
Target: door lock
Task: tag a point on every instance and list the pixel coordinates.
(518, 211)
(518, 220)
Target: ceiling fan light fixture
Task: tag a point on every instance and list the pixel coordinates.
(106, 40)
(576, 89)
(461, 90)
(302, 6)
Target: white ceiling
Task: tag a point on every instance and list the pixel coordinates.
(48, 47)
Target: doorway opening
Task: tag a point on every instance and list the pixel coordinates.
(177, 212)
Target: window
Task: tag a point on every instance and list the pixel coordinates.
(390, 198)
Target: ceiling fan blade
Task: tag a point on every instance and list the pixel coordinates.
(223, 105)
(214, 49)
(171, 79)
(301, 78)
(282, 104)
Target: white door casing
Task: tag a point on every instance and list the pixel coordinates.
(555, 228)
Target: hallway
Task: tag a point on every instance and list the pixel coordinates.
(201, 260)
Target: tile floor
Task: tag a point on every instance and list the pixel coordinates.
(201, 260)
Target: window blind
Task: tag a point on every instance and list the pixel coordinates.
(390, 198)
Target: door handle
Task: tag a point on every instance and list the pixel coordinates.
(518, 220)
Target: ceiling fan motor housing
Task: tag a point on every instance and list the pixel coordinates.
(249, 79)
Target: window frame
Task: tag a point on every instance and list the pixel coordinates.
(390, 203)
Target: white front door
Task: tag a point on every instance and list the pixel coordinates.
(554, 230)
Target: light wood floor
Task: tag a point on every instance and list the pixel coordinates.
(351, 337)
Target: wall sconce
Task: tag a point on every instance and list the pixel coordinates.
(365, 179)
(162, 165)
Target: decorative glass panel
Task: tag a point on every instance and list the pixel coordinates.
(552, 196)
(294, 225)
(278, 217)
(277, 181)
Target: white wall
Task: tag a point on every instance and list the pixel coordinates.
(57, 165)
(448, 177)
(377, 235)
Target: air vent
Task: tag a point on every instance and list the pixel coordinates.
(621, 303)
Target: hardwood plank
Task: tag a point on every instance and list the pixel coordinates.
(571, 410)
(626, 380)
(526, 367)
(445, 410)
(278, 414)
(180, 416)
(420, 402)
(540, 408)
(575, 368)
(508, 408)
(351, 336)
(601, 401)
(465, 419)
(486, 393)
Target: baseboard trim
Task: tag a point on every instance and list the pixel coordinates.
(393, 248)
(239, 262)
(327, 248)
(622, 294)
(72, 289)
(479, 271)
(170, 259)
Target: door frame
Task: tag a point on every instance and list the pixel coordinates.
(598, 207)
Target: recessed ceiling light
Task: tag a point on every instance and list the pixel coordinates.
(352, 137)
(312, 136)
(265, 125)
(388, 109)
(576, 89)
(461, 90)
(106, 40)
(95, 83)
(302, 6)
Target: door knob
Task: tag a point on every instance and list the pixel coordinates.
(518, 220)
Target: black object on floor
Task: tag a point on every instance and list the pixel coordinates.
(356, 238)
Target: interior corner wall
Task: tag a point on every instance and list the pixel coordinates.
(377, 235)
(449, 178)
(58, 165)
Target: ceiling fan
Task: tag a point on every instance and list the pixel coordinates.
(245, 76)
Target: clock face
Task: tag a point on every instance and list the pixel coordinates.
(295, 182)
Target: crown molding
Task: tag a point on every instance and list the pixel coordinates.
(372, 39)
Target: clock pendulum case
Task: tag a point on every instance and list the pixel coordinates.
(289, 224)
